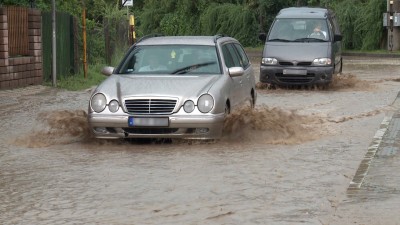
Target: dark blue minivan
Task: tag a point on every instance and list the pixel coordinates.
(303, 47)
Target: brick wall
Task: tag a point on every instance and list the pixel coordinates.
(26, 70)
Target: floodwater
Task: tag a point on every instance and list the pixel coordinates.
(289, 161)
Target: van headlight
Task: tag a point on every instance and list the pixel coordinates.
(322, 62)
(98, 102)
(205, 103)
(269, 61)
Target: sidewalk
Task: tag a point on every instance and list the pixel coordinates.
(373, 197)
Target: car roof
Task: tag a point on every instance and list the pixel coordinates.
(303, 12)
(184, 40)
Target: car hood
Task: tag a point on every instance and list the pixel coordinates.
(125, 86)
(297, 51)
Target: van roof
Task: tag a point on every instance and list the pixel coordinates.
(303, 12)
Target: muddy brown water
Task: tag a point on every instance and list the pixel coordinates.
(288, 161)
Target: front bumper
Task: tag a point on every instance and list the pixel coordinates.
(315, 75)
(180, 126)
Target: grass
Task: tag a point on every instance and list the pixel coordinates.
(78, 82)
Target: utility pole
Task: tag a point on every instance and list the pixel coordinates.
(53, 43)
(391, 20)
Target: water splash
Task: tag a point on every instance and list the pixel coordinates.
(271, 126)
(344, 81)
(57, 127)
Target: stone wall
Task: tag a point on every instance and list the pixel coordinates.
(26, 70)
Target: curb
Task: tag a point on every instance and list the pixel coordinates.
(362, 171)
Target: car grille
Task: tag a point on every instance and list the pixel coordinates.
(150, 106)
(151, 130)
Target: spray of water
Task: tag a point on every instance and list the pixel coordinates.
(57, 127)
(344, 81)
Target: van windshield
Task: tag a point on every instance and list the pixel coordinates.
(299, 30)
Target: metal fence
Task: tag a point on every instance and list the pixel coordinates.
(65, 42)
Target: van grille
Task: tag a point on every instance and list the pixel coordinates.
(295, 78)
(295, 63)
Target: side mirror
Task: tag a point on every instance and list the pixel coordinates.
(108, 70)
(337, 37)
(236, 71)
(262, 37)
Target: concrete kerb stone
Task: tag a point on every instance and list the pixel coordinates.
(363, 168)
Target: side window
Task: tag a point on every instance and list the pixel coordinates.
(335, 25)
(227, 56)
(243, 56)
(231, 56)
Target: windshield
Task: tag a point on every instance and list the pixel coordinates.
(171, 59)
(299, 30)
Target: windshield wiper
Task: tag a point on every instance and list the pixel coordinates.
(309, 39)
(187, 69)
(279, 39)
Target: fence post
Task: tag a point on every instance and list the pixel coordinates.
(54, 44)
(84, 42)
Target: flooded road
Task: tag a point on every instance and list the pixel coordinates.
(290, 161)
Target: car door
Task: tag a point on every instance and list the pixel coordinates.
(231, 59)
(248, 79)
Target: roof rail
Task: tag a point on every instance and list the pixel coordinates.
(149, 36)
(217, 36)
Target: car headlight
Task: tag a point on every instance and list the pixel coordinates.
(322, 62)
(98, 102)
(205, 103)
(269, 61)
(113, 106)
(188, 106)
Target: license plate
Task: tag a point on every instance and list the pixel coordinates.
(148, 122)
(295, 72)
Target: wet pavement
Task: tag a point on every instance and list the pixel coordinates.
(373, 196)
(291, 161)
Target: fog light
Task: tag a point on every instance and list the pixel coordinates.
(202, 130)
(100, 130)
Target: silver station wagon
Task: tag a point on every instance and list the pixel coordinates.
(173, 87)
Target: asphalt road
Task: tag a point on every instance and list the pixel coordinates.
(291, 161)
